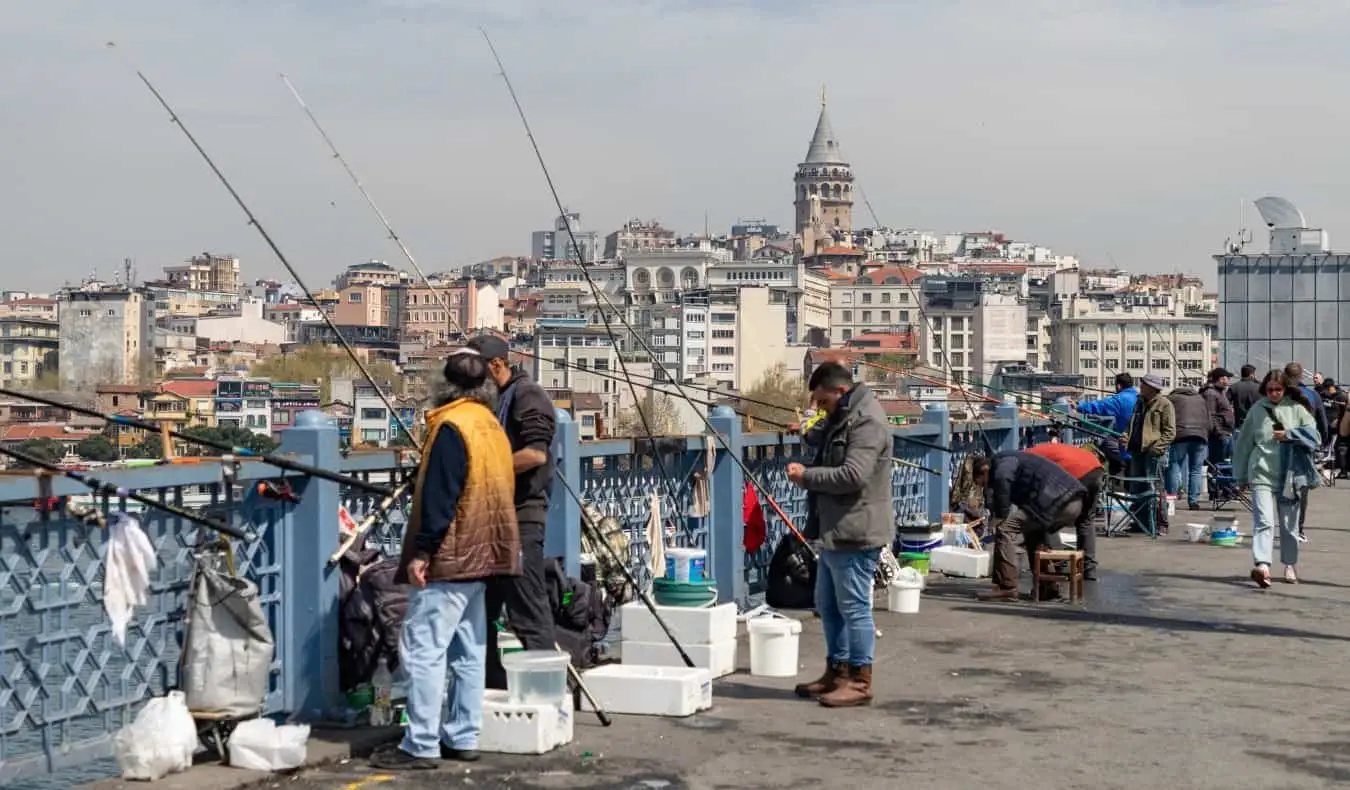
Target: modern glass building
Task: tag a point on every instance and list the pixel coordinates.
(1289, 304)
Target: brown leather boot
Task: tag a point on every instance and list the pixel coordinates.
(825, 684)
(852, 693)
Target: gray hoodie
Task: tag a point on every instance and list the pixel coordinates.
(850, 479)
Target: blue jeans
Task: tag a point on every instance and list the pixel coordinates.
(1220, 449)
(445, 620)
(844, 600)
(1187, 465)
(1268, 510)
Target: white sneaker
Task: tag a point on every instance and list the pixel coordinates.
(1290, 577)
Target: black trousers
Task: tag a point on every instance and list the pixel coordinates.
(528, 612)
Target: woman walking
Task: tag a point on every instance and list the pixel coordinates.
(1275, 458)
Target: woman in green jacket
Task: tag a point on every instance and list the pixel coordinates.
(1275, 441)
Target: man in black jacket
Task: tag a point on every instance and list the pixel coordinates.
(1244, 394)
(1031, 496)
(527, 414)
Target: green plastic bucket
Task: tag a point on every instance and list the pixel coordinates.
(360, 697)
(918, 560)
(691, 594)
(508, 643)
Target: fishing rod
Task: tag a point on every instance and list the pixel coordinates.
(285, 262)
(105, 488)
(370, 201)
(601, 298)
(231, 450)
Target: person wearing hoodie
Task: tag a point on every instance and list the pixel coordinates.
(1120, 408)
(1274, 459)
(1190, 448)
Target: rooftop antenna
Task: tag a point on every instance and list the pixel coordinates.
(1244, 236)
(126, 272)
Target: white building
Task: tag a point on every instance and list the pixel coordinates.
(882, 300)
(556, 244)
(1139, 335)
(246, 326)
(804, 293)
(106, 337)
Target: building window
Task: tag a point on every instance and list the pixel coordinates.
(374, 414)
(867, 297)
(1134, 364)
(867, 316)
(1087, 345)
(886, 316)
(723, 351)
(1112, 364)
(1162, 364)
(372, 435)
(1088, 364)
(886, 297)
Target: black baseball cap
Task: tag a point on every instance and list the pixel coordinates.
(490, 347)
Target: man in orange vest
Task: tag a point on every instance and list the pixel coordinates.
(1086, 467)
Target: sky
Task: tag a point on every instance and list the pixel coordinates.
(1127, 132)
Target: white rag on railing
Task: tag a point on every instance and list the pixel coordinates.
(656, 538)
(127, 561)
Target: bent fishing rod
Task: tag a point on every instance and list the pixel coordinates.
(106, 488)
(276, 251)
(230, 450)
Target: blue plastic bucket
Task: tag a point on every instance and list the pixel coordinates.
(686, 565)
(920, 542)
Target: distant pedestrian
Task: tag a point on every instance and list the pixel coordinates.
(1313, 401)
(1033, 498)
(849, 511)
(1153, 428)
(1224, 417)
(1244, 393)
(526, 413)
(1086, 467)
(1119, 407)
(461, 533)
(1190, 448)
(1274, 458)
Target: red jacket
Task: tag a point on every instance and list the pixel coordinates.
(1072, 459)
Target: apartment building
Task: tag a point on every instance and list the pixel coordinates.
(106, 336)
(971, 324)
(29, 307)
(1100, 337)
(556, 244)
(244, 403)
(804, 293)
(572, 355)
(369, 273)
(206, 272)
(883, 300)
(637, 235)
(29, 350)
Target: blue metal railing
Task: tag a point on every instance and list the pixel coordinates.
(66, 686)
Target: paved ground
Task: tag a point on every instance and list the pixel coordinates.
(1176, 673)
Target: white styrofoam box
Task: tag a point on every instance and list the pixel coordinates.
(648, 691)
(509, 728)
(719, 659)
(690, 625)
(1069, 538)
(954, 561)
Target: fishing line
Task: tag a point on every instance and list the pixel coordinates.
(111, 490)
(285, 262)
(370, 201)
(242, 452)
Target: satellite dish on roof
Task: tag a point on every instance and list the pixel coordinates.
(1280, 213)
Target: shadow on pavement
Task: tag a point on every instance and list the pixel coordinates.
(1147, 621)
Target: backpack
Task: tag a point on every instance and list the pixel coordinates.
(791, 582)
(581, 615)
(371, 609)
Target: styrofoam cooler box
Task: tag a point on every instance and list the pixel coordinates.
(1069, 538)
(647, 690)
(719, 659)
(690, 625)
(510, 728)
(957, 561)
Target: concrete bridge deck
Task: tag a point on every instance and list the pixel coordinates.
(1176, 673)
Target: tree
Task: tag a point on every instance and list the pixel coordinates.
(232, 436)
(48, 450)
(96, 448)
(785, 392)
(662, 417)
(149, 447)
(400, 439)
(320, 363)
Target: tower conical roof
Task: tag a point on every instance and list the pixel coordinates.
(824, 148)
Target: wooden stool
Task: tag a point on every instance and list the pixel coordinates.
(1043, 570)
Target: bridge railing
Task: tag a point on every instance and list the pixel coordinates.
(66, 686)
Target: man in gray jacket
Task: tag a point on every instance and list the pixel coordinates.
(1190, 449)
(850, 512)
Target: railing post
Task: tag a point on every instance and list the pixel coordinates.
(939, 487)
(1007, 410)
(308, 641)
(1065, 432)
(562, 534)
(726, 525)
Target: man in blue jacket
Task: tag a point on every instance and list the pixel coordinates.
(1118, 407)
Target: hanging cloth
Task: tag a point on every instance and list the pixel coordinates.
(128, 559)
(756, 528)
(656, 538)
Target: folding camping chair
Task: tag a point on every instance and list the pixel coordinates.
(1126, 508)
(1223, 487)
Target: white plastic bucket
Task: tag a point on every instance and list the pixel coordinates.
(1171, 502)
(903, 597)
(774, 643)
(1196, 532)
(686, 565)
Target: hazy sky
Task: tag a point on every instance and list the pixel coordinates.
(1126, 132)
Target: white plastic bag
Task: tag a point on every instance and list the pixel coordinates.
(261, 745)
(128, 559)
(159, 742)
